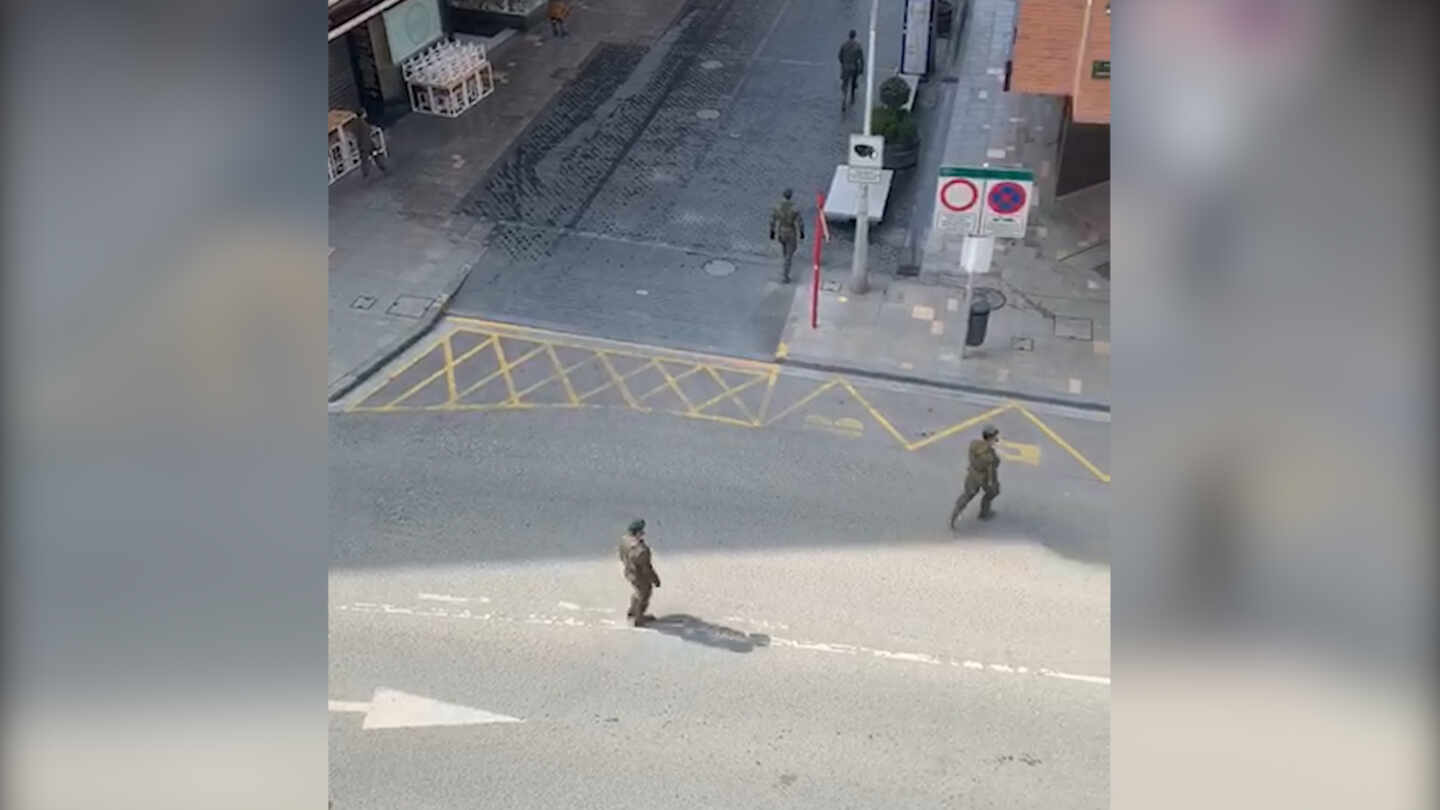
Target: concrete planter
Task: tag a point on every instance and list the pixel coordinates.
(902, 156)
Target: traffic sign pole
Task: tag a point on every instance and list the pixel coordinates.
(859, 272)
(815, 279)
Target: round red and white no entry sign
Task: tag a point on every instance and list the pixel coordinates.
(959, 194)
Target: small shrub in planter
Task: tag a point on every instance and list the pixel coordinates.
(896, 124)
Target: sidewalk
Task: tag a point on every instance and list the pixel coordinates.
(1049, 340)
(1049, 336)
(398, 250)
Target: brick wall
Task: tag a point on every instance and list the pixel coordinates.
(1092, 96)
(1047, 37)
(1047, 34)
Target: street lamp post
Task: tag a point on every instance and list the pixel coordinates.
(859, 272)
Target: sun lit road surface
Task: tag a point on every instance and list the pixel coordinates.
(833, 645)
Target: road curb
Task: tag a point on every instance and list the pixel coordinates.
(1023, 396)
(363, 372)
(562, 330)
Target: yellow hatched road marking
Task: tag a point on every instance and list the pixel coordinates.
(1055, 437)
(503, 370)
(803, 401)
(966, 425)
(757, 374)
(673, 382)
(432, 377)
(876, 415)
(618, 381)
(449, 368)
(565, 373)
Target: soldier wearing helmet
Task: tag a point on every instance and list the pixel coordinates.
(788, 226)
(639, 572)
(984, 474)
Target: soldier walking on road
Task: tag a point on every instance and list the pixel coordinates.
(558, 12)
(787, 225)
(365, 142)
(852, 64)
(983, 474)
(635, 556)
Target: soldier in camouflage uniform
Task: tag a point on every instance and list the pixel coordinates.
(788, 226)
(365, 142)
(635, 556)
(983, 474)
(852, 64)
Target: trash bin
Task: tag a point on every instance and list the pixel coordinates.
(979, 319)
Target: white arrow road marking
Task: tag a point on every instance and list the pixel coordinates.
(391, 708)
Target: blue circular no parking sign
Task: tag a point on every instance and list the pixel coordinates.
(1006, 198)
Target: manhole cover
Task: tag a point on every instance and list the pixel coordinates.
(1073, 328)
(1022, 344)
(711, 64)
(707, 115)
(363, 302)
(719, 267)
(991, 296)
(409, 306)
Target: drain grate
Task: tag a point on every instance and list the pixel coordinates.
(409, 306)
(1074, 328)
(363, 302)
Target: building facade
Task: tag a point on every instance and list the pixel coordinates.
(1062, 48)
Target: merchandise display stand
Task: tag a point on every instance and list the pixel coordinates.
(448, 78)
(344, 153)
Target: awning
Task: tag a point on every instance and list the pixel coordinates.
(347, 14)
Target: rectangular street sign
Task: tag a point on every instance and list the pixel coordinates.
(864, 175)
(982, 201)
(867, 151)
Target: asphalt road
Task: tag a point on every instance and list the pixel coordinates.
(829, 642)
(660, 163)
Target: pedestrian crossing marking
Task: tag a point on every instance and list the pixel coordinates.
(506, 367)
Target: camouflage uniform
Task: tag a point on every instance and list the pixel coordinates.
(635, 556)
(786, 225)
(365, 142)
(982, 475)
(852, 64)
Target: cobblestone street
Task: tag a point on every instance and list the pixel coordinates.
(660, 158)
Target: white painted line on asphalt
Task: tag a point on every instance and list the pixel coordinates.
(350, 706)
(773, 641)
(454, 600)
(1071, 677)
(573, 606)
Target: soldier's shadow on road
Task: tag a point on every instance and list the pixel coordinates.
(689, 628)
